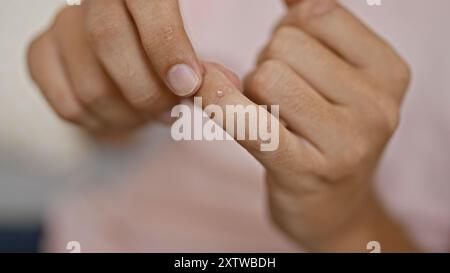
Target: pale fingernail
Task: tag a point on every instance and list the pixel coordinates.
(182, 80)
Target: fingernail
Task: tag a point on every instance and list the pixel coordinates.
(182, 80)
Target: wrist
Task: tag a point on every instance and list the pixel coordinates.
(372, 222)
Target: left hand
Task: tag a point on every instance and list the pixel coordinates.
(339, 87)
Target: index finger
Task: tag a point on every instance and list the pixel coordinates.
(167, 44)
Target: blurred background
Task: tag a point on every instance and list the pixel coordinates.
(31, 174)
(41, 157)
(38, 153)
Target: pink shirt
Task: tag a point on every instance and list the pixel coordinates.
(201, 196)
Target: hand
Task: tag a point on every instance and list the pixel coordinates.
(108, 65)
(339, 88)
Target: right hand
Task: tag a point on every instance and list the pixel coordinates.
(110, 65)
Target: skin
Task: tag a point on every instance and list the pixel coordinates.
(100, 66)
(339, 87)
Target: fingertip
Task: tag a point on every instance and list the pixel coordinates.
(219, 84)
(231, 76)
(183, 80)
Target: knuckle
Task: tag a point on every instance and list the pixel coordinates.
(35, 45)
(34, 50)
(301, 12)
(402, 73)
(287, 38)
(266, 76)
(285, 32)
(381, 113)
(63, 15)
(389, 117)
(277, 44)
(304, 13)
(385, 115)
(144, 101)
(393, 120)
(72, 113)
(104, 29)
(92, 96)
